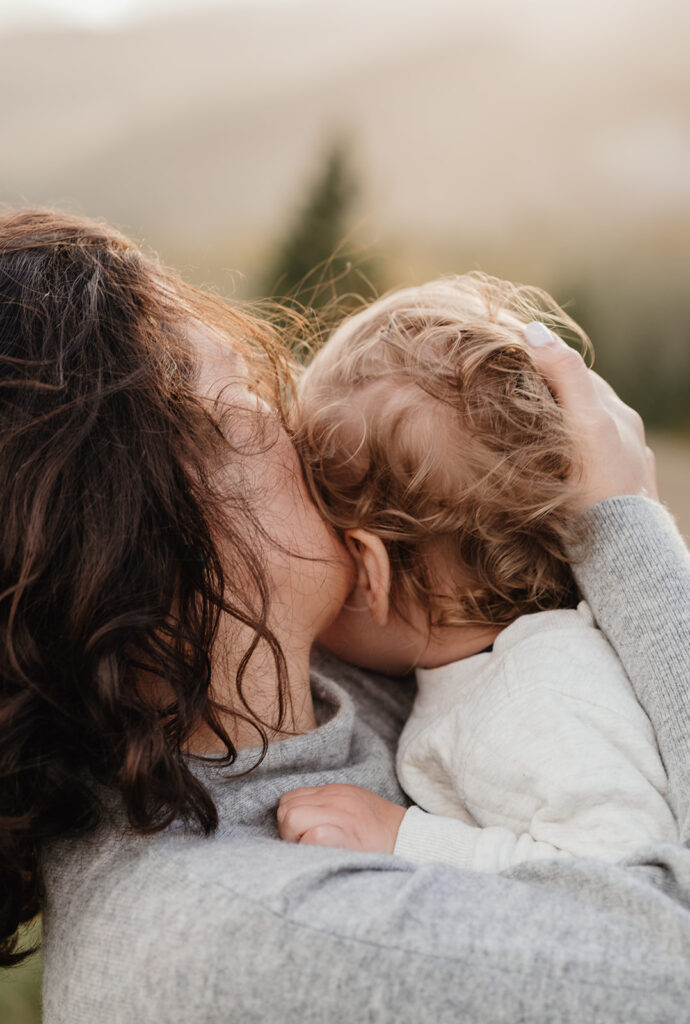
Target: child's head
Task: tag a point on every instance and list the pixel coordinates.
(432, 443)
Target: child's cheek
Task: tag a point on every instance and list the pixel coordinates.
(355, 637)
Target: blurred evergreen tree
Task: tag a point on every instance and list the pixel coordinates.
(316, 266)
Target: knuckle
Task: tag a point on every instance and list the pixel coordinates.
(319, 833)
(638, 422)
(291, 817)
(571, 359)
(608, 428)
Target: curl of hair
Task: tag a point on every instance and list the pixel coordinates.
(424, 420)
(112, 582)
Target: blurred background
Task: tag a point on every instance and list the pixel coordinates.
(383, 143)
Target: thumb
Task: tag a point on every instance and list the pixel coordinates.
(561, 366)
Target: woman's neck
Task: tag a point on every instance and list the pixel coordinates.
(256, 699)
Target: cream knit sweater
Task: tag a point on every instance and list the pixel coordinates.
(537, 749)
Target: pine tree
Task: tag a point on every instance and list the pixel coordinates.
(315, 264)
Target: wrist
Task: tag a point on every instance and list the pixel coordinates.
(395, 817)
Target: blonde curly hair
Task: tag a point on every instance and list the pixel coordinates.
(424, 421)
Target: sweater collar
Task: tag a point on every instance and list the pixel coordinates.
(323, 748)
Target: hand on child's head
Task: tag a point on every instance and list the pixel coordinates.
(609, 435)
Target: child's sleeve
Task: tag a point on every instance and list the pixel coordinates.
(555, 770)
(426, 838)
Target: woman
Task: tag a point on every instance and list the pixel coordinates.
(159, 604)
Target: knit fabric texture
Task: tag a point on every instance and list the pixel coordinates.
(179, 929)
(535, 749)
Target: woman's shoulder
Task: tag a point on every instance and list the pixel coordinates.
(128, 919)
(123, 897)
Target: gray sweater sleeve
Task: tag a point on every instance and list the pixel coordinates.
(636, 577)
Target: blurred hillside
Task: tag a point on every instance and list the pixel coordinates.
(526, 136)
(547, 142)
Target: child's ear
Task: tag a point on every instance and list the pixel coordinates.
(373, 572)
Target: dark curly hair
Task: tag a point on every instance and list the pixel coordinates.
(112, 583)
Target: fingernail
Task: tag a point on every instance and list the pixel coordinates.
(537, 334)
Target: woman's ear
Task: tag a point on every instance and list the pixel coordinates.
(373, 572)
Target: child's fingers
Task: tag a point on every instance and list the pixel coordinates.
(298, 818)
(290, 802)
(311, 795)
(301, 792)
(325, 835)
(295, 819)
(330, 787)
(316, 794)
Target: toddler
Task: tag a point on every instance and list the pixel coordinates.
(432, 444)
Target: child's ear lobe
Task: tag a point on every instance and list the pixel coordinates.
(373, 572)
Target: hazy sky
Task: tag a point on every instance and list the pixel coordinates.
(99, 13)
(104, 13)
(84, 11)
(112, 13)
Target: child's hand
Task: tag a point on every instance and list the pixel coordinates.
(337, 815)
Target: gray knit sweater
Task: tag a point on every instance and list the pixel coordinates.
(243, 927)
